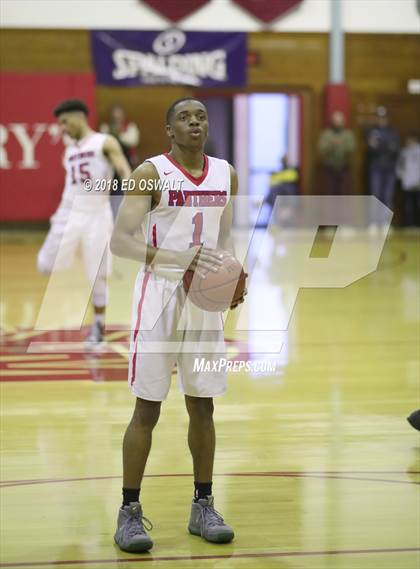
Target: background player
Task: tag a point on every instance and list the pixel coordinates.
(181, 228)
(87, 220)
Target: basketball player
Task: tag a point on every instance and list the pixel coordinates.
(84, 217)
(182, 228)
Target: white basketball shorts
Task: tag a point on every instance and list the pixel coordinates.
(167, 329)
(91, 231)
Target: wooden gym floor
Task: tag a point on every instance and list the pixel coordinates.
(316, 466)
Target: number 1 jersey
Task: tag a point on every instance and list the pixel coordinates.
(190, 208)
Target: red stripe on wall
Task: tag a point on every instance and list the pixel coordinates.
(38, 174)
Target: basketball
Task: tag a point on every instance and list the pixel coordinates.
(218, 290)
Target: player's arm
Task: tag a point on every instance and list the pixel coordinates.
(225, 241)
(128, 241)
(113, 152)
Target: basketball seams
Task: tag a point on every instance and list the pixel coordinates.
(208, 295)
(209, 301)
(214, 288)
(225, 283)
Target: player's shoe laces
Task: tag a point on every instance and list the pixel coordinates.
(96, 335)
(131, 535)
(208, 523)
(414, 419)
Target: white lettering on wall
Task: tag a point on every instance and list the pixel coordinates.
(28, 136)
(4, 135)
(185, 68)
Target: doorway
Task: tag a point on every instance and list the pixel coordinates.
(254, 131)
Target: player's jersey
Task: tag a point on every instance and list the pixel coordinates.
(85, 160)
(190, 208)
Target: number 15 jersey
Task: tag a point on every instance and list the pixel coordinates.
(85, 160)
(190, 208)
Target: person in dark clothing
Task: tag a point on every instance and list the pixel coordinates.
(408, 170)
(383, 145)
(126, 132)
(128, 135)
(336, 148)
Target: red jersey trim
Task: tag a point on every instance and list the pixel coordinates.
(193, 179)
(154, 238)
(146, 278)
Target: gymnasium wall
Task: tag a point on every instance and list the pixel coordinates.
(378, 67)
(359, 16)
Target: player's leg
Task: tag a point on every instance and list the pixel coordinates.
(136, 446)
(201, 442)
(204, 519)
(131, 525)
(99, 302)
(199, 388)
(58, 250)
(149, 377)
(131, 534)
(97, 260)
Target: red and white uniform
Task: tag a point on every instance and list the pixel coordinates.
(166, 327)
(83, 217)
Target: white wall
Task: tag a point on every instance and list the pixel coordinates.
(380, 16)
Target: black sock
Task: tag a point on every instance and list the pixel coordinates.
(202, 490)
(130, 495)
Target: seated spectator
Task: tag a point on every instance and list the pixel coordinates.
(284, 182)
(408, 170)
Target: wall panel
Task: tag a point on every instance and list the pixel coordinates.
(377, 67)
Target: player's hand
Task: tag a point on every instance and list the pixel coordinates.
(201, 259)
(240, 300)
(206, 260)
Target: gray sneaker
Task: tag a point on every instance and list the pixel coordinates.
(208, 523)
(131, 535)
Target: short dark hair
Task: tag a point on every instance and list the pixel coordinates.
(70, 105)
(171, 111)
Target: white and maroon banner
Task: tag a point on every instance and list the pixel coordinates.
(31, 147)
(268, 10)
(178, 10)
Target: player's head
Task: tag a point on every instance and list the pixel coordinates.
(187, 123)
(381, 117)
(117, 115)
(72, 117)
(338, 120)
